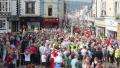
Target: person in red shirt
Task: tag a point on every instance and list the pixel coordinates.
(54, 54)
(33, 50)
(9, 60)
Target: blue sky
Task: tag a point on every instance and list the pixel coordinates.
(82, 0)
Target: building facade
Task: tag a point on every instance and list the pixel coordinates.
(108, 10)
(40, 13)
(14, 15)
(4, 15)
(53, 12)
(29, 16)
(98, 8)
(117, 8)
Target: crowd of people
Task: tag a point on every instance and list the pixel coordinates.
(56, 48)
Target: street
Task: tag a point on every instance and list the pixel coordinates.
(106, 65)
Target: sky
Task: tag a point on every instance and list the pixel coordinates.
(81, 0)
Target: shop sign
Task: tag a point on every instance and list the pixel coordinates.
(51, 20)
(111, 25)
(100, 23)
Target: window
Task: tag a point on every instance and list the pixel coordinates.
(3, 6)
(30, 7)
(50, 11)
(0, 6)
(2, 25)
(6, 6)
(103, 13)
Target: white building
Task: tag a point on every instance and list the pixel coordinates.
(117, 8)
(110, 8)
(29, 7)
(13, 7)
(30, 14)
(99, 8)
(107, 8)
(4, 14)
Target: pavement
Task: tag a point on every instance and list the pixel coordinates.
(106, 65)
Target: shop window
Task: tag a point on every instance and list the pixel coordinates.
(50, 10)
(30, 7)
(101, 32)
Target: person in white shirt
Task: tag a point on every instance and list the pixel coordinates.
(43, 60)
(27, 59)
(58, 61)
(42, 49)
(83, 51)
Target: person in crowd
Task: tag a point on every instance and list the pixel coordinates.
(99, 65)
(27, 59)
(43, 60)
(84, 51)
(98, 53)
(117, 56)
(86, 62)
(94, 63)
(105, 53)
(58, 61)
(9, 61)
(111, 53)
(33, 51)
(74, 62)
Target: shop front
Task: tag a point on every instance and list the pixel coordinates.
(112, 34)
(30, 23)
(111, 28)
(100, 28)
(51, 22)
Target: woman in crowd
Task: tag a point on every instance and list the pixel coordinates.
(86, 62)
